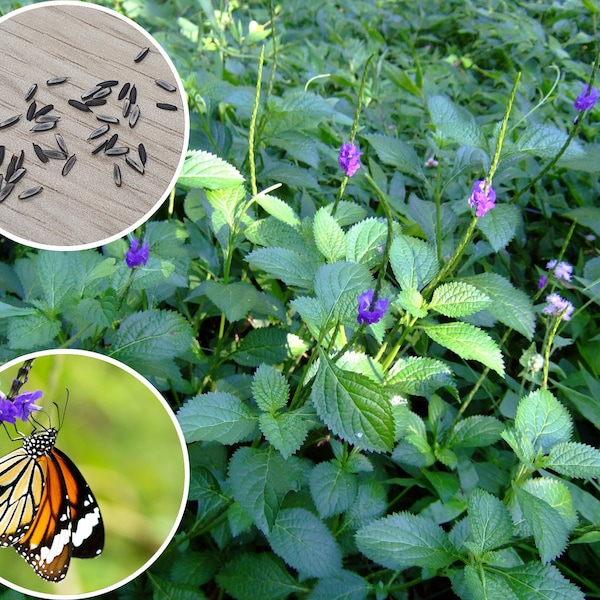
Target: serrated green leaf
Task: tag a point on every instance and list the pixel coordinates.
(333, 489)
(276, 234)
(353, 407)
(164, 589)
(482, 585)
(347, 213)
(216, 416)
(32, 332)
(403, 540)
(477, 431)
(397, 153)
(305, 543)
(469, 342)
(556, 494)
(413, 261)
(207, 171)
(289, 174)
(291, 267)
(458, 299)
(8, 310)
(329, 236)
(419, 376)
(541, 582)
(270, 388)
(55, 272)
(575, 460)
(500, 225)
(544, 141)
(455, 123)
(270, 345)
(312, 312)
(490, 521)
(370, 504)
(279, 209)
(346, 585)
(586, 216)
(235, 299)
(543, 420)
(426, 212)
(205, 488)
(414, 449)
(365, 242)
(284, 431)
(412, 302)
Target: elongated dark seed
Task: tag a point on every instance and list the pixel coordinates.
(166, 106)
(126, 107)
(40, 153)
(142, 154)
(31, 92)
(133, 94)
(100, 147)
(95, 102)
(108, 83)
(55, 154)
(102, 92)
(47, 119)
(60, 140)
(20, 159)
(12, 165)
(10, 121)
(30, 192)
(43, 111)
(90, 93)
(80, 105)
(17, 175)
(44, 126)
(69, 164)
(98, 132)
(111, 142)
(165, 85)
(6, 190)
(1, 180)
(107, 119)
(117, 151)
(31, 111)
(134, 116)
(117, 174)
(141, 55)
(2, 153)
(134, 164)
(56, 80)
(124, 91)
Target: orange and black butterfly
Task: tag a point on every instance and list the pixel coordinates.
(47, 510)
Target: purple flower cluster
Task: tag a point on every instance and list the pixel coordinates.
(371, 314)
(563, 271)
(19, 408)
(349, 159)
(558, 306)
(481, 200)
(137, 256)
(587, 98)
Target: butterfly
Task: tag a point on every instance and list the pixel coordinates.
(47, 510)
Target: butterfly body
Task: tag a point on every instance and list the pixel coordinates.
(47, 510)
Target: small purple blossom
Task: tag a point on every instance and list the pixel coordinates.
(24, 404)
(137, 256)
(349, 158)
(543, 280)
(8, 412)
(480, 200)
(557, 306)
(368, 314)
(561, 270)
(586, 100)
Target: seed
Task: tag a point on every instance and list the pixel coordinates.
(43, 126)
(134, 164)
(47, 119)
(135, 115)
(56, 80)
(69, 164)
(44, 110)
(40, 153)
(12, 165)
(102, 92)
(133, 94)
(10, 121)
(126, 107)
(80, 105)
(31, 111)
(117, 151)
(20, 160)
(123, 91)
(107, 119)
(1, 180)
(30, 192)
(55, 154)
(108, 83)
(98, 132)
(111, 142)
(16, 175)
(117, 174)
(31, 92)
(91, 92)
(166, 106)
(142, 154)
(60, 140)
(95, 102)
(5, 192)
(2, 152)
(165, 85)
(142, 55)
(100, 147)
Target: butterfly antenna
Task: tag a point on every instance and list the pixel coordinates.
(61, 420)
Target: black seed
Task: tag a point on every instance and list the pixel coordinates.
(100, 147)
(12, 165)
(133, 94)
(123, 91)
(2, 152)
(135, 115)
(91, 92)
(95, 102)
(80, 105)
(31, 111)
(10, 121)
(134, 164)
(44, 126)
(56, 80)
(142, 55)
(165, 85)
(126, 107)
(111, 142)
(103, 92)
(117, 151)
(31, 92)
(142, 154)
(55, 154)
(20, 159)
(60, 140)
(166, 106)
(30, 192)
(107, 119)
(44, 110)
(40, 153)
(117, 174)
(69, 164)
(16, 175)
(6, 190)
(98, 132)
(108, 83)
(47, 119)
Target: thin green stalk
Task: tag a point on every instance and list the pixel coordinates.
(548, 348)
(252, 133)
(275, 48)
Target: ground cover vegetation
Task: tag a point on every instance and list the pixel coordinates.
(372, 300)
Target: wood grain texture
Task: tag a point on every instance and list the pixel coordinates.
(89, 45)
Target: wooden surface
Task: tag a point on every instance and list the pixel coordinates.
(89, 45)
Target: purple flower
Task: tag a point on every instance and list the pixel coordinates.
(368, 314)
(561, 270)
(557, 306)
(480, 200)
(136, 256)
(24, 404)
(586, 100)
(8, 412)
(543, 280)
(349, 158)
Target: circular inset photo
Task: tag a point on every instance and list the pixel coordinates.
(94, 474)
(94, 125)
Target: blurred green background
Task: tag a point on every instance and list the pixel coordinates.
(124, 441)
